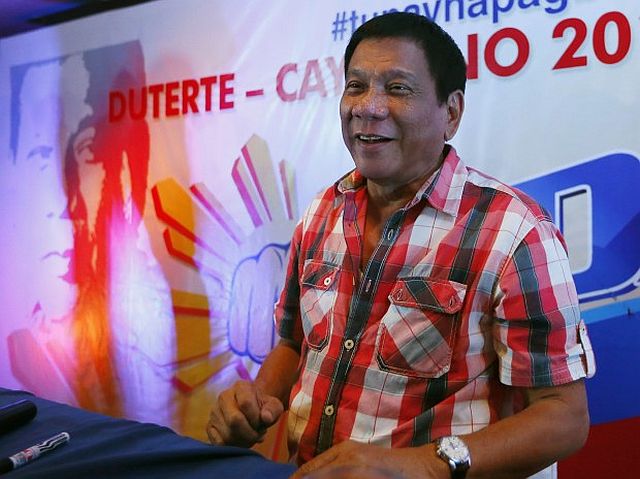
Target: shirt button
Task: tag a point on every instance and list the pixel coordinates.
(348, 344)
(328, 410)
(327, 281)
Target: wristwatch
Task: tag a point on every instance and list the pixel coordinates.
(454, 452)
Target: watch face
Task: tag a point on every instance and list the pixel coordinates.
(456, 449)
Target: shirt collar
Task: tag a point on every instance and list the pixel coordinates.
(443, 189)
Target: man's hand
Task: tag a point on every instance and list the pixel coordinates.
(242, 415)
(353, 459)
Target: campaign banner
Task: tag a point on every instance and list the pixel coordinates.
(154, 161)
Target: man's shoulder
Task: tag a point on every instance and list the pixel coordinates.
(518, 200)
(324, 201)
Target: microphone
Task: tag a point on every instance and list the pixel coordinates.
(16, 414)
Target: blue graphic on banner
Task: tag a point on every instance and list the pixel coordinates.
(609, 186)
(614, 391)
(600, 197)
(256, 285)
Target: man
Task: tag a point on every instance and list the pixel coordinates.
(44, 235)
(86, 185)
(428, 308)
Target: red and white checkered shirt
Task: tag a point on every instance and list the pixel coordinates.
(469, 291)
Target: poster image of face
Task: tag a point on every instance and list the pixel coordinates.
(87, 182)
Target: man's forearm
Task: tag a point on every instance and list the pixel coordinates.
(553, 426)
(279, 371)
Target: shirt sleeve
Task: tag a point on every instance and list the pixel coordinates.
(287, 308)
(538, 334)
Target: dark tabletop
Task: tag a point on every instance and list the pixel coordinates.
(104, 447)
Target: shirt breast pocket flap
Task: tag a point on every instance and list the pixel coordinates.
(317, 298)
(417, 332)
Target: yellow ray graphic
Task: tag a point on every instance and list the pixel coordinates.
(190, 377)
(185, 302)
(288, 189)
(192, 337)
(249, 268)
(176, 207)
(217, 211)
(187, 251)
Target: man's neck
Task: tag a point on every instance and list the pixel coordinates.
(395, 195)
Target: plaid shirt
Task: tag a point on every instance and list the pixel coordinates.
(468, 291)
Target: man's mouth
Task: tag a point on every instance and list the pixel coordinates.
(372, 139)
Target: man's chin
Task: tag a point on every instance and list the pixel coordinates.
(374, 176)
(373, 166)
(61, 304)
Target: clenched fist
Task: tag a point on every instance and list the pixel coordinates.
(242, 415)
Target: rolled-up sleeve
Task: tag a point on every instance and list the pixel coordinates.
(287, 308)
(538, 334)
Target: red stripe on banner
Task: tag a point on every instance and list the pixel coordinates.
(251, 93)
(242, 371)
(176, 253)
(167, 218)
(256, 181)
(244, 194)
(611, 451)
(215, 211)
(285, 189)
(191, 311)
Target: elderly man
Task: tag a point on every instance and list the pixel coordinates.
(428, 308)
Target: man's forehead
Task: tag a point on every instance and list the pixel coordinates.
(391, 43)
(40, 82)
(391, 72)
(392, 56)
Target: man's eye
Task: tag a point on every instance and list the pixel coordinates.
(83, 147)
(40, 151)
(86, 148)
(399, 88)
(353, 85)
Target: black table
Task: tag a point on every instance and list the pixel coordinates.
(104, 447)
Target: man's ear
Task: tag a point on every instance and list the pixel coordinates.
(455, 108)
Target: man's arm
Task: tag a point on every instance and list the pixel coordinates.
(555, 421)
(554, 424)
(279, 371)
(243, 412)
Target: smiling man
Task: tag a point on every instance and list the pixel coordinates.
(428, 308)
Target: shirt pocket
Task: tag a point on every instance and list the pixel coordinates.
(317, 298)
(416, 335)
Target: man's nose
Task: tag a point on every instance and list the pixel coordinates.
(371, 105)
(59, 213)
(58, 206)
(65, 215)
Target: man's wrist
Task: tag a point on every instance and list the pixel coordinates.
(435, 467)
(454, 452)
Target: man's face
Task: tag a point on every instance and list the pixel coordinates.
(392, 121)
(46, 231)
(91, 173)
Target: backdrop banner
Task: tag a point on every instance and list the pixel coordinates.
(154, 161)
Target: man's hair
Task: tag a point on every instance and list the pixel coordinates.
(444, 59)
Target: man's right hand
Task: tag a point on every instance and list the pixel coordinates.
(242, 415)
